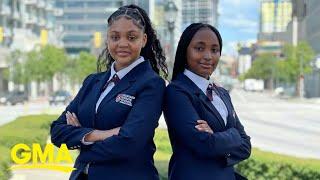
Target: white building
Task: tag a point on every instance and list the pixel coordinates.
(22, 22)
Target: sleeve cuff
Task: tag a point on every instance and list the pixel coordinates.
(86, 142)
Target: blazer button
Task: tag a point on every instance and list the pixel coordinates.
(228, 155)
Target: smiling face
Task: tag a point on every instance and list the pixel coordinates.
(125, 41)
(203, 53)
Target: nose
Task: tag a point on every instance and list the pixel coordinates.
(208, 56)
(123, 43)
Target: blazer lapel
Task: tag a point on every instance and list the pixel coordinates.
(226, 101)
(185, 81)
(88, 102)
(210, 106)
(120, 87)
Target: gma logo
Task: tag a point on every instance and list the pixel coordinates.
(26, 157)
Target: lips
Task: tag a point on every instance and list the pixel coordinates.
(123, 53)
(206, 65)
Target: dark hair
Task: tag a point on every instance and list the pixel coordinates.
(180, 61)
(152, 50)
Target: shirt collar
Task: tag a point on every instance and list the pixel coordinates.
(201, 82)
(125, 70)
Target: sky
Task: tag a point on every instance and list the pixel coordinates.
(238, 22)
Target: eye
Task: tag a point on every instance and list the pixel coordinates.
(215, 50)
(199, 48)
(115, 38)
(132, 38)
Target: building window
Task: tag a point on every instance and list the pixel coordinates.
(75, 4)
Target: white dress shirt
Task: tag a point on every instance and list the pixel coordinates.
(203, 84)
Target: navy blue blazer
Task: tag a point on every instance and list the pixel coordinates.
(128, 155)
(200, 155)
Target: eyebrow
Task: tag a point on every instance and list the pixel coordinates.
(203, 43)
(131, 31)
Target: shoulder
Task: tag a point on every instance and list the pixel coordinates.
(149, 76)
(92, 77)
(223, 91)
(177, 87)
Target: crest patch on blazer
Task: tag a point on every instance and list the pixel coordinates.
(125, 99)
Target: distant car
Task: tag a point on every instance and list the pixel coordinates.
(14, 97)
(60, 96)
(253, 85)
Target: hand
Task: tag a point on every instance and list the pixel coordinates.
(72, 119)
(114, 131)
(100, 135)
(203, 126)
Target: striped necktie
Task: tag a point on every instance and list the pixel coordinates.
(209, 91)
(115, 79)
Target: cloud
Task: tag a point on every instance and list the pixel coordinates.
(230, 48)
(240, 15)
(241, 23)
(238, 22)
(238, 4)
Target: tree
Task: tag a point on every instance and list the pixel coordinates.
(263, 68)
(302, 55)
(53, 61)
(43, 64)
(81, 67)
(16, 71)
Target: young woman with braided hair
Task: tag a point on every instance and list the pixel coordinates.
(113, 117)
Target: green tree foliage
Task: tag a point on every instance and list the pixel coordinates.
(41, 65)
(262, 68)
(16, 71)
(269, 67)
(289, 70)
(80, 67)
(54, 60)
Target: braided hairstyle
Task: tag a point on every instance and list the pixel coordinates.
(180, 61)
(152, 50)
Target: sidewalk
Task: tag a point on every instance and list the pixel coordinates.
(315, 101)
(36, 174)
(272, 94)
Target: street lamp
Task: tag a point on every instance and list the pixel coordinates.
(170, 17)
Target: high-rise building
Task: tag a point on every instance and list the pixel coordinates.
(21, 24)
(312, 24)
(25, 18)
(205, 11)
(275, 16)
(312, 36)
(244, 59)
(147, 5)
(82, 19)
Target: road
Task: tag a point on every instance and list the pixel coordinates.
(282, 126)
(10, 113)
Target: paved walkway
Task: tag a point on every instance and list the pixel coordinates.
(39, 175)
